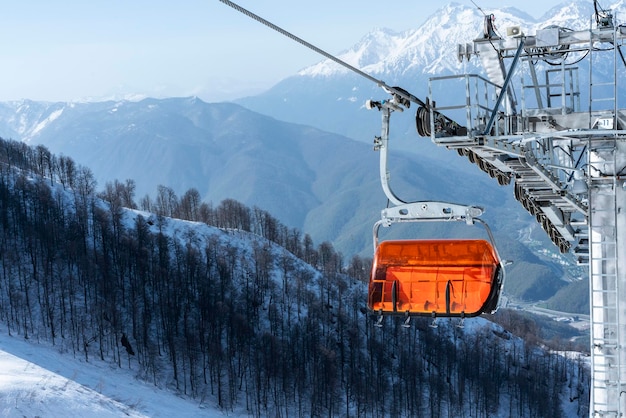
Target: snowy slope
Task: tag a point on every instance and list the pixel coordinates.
(37, 380)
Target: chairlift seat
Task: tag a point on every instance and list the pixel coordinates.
(454, 278)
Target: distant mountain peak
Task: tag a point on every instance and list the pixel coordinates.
(431, 47)
(370, 50)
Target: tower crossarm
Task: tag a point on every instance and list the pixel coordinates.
(555, 38)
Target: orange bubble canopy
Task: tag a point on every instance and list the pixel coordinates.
(434, 278)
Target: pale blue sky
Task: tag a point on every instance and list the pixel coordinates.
(98, 49)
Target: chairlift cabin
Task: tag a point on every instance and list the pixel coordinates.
(450, 278)
(429, 277)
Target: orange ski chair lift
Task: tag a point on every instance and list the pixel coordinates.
(432, 277)
(437, 278)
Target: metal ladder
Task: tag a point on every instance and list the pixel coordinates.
(607, 324)
(607, 286)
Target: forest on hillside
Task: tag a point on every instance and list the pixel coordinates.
(239, 311)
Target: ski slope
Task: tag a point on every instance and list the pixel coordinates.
(38, 381)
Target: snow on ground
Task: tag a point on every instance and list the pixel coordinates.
(38, 381)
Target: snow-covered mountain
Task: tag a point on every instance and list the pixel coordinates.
(429, 49)
(331, 97)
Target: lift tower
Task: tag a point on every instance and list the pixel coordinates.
(567, 160)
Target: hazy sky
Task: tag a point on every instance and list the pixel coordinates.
(99, 49)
